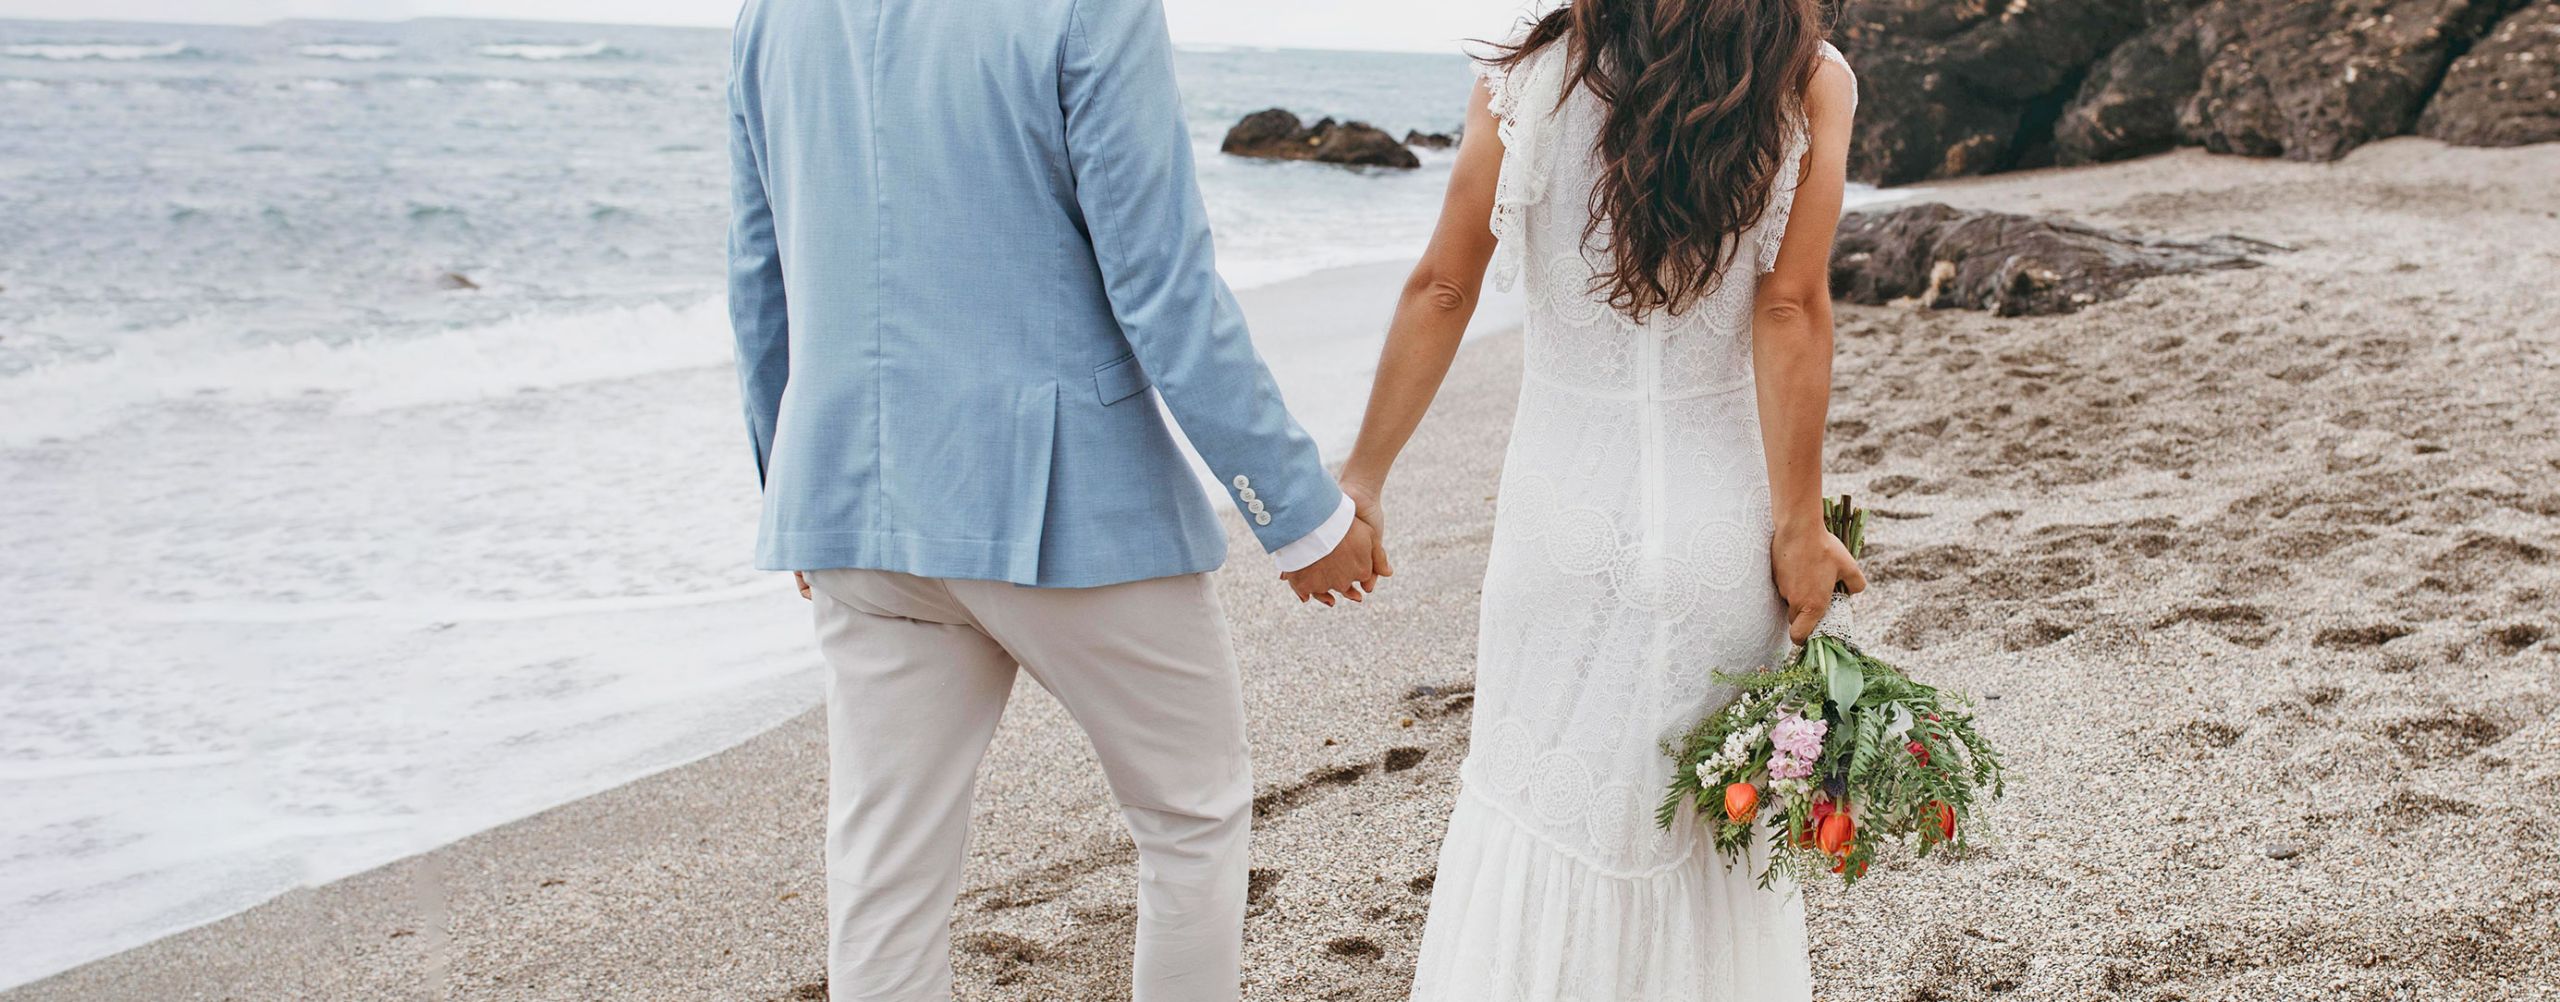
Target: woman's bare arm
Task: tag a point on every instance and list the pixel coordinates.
(1432, 315)
(1791, 360)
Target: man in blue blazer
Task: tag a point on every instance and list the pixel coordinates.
(967, 242)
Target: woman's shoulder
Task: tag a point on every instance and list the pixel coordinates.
(1832, 77)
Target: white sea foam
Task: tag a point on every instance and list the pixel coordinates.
(358, 52)
(542, 52)
(104, 51)
(203, 362)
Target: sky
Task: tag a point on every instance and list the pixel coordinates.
(1409, 25)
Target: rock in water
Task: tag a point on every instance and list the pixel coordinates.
(2008, 264)
(1270, 129)
(1277, 134)
(2506, 91)
(2312, 80)
(1429, 140)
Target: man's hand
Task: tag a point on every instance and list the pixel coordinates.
(1350, 569)
(1808, 564)
(802, 579)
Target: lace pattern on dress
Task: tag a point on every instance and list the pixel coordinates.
(1521, 99)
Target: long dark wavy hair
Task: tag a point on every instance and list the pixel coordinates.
(1699, 96)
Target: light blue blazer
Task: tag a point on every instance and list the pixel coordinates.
(967, 240)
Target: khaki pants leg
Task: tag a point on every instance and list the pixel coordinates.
(1147, 671)
(914, 692)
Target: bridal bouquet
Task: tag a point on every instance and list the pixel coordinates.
(1837, 752)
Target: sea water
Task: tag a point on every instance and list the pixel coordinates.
(370, 464)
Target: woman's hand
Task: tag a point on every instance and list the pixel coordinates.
(1808, 563)
(1366, 508)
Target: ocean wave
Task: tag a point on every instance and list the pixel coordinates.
(544, 52)
(357, 52)
(202, 362)
(105, 51)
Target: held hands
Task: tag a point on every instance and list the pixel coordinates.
(1356, 564)
(1808, 563)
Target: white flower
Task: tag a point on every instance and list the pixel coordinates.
(1901, 724)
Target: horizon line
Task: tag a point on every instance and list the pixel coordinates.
(1454, 44)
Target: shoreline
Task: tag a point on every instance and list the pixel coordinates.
(1321, 331)
(2251, 569)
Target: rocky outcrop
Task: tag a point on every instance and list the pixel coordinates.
(1950, 87)
(2010, 265)
(1278, 134)
(2129, 103)
(2312, 80)
(2506, 91)
(1419, 139)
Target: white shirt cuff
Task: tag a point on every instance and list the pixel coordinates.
(1315, 545)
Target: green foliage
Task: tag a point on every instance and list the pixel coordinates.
(1877, 714)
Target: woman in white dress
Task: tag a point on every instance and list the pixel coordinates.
(1665, 178)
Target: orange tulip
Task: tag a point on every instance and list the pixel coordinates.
(1813, 821)
(1741, 801)
(1836, 833)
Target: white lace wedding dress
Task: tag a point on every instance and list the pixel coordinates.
(1630, 561)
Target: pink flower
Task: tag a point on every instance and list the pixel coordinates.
(1789, 767)
(1797, 737)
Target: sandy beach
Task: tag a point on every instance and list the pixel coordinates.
(2253, 571)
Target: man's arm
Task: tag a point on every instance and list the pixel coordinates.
(758, 313)
(1131, 154)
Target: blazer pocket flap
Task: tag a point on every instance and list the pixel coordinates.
(1119, 380)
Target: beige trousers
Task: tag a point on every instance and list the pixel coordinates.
(919, 671)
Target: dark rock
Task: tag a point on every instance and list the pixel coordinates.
(1277, 134)
(1974, 87)
(2008, 264)
(2310, 81)
(2506, 90)
(2128, 106)
(1430, 140)
(1946, 89)
(454, 281)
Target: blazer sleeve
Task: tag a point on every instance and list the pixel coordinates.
(758, 308)
(1130, 151)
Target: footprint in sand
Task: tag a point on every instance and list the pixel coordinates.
(2443, 735)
